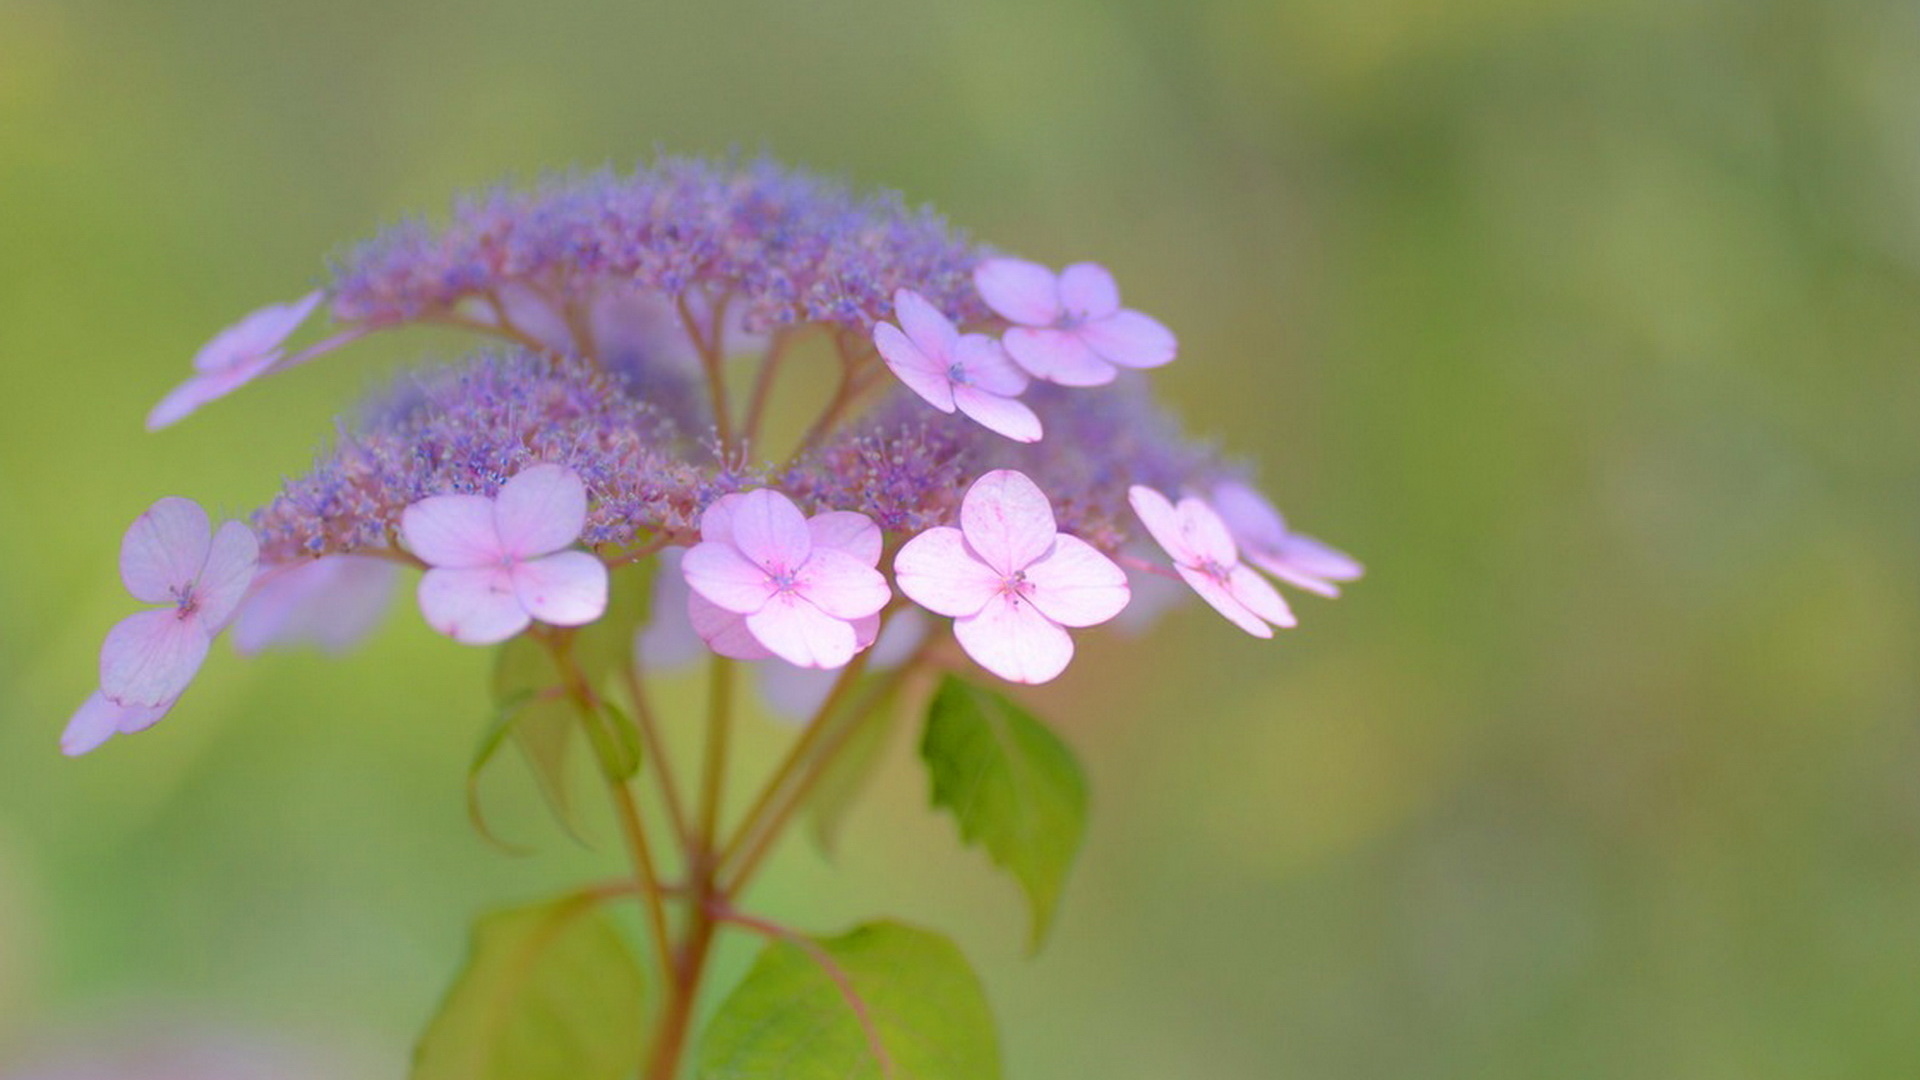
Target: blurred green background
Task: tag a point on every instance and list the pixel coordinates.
(1591, 325)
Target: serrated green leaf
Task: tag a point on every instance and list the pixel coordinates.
(1012, 785)
(885, 1002)
(549, 992)
(848, 774)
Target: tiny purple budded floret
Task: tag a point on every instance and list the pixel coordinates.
(1010, 580)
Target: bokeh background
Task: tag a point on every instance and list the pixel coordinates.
(1591, 325)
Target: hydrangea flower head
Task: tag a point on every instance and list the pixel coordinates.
(497, 564)
(1069, 328)
(801, 583)
(1205, 555)
(1011, 581)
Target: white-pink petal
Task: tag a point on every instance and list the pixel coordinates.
(841, 585)
(99, 719)
(851, 532)
(926, 325)
(922, 374)
(472, 605)
(452, 531)
(1000, 415)
(771, 531)
(182, 400)
(984, 364)
(1076, 585)
(1007, 520)
(938, 571)
(716, 523)
(1019, 291)
(801, 634)
(1130, 339)
(720, 573)
(567, 588)
(1087, 290)
(1254, 593)
(723, 631)
(257, 332)
(1057, 356)
(224, 580)
(1216, 593)
(150, 657)
(164, 550)
(540, 510)
(1014, 641)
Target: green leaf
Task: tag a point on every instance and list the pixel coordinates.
(848, 774)
(885, 1001)
(605, 645)
(549, 992)
(1012, 785)
(532, 708)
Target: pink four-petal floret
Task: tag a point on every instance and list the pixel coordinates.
(951, 370)
(1266, 542)
(236, 356)
(170, 555)
(1070, 328)
(1011, 581)
(497, 564)
(766, 577)
(1205, 555)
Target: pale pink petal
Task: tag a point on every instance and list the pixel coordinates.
(1014, 641)
(801, 634)
(938, 571)
(223, 582)
(567, 588)
(1311, 556)
(164, 550)
(1057, 356)
(472, 605)
(330, 603)
(842, 585)
(1000, 415)
(1162, 522)
(1254, 521)
(1076, 585)
(1254, 593)
(1130, 339)
(453, 531)
(203, 387)
(716, 523)
(100, 719)
(1206, 535)
(771, 531)
(149, 658)
(1222, 599)
(541, 509)
(985, 364)
(921, 374)
(853, 533)
(1018, 290)
(1007, 520)
(258, 332)
(725, 632)
(721, 574)
(1087, 290)
(930, 330)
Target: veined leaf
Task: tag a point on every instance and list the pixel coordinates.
(549, 992)
(886, 1001)
(1012, 785)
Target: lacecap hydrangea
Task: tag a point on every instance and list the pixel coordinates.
(989, 474)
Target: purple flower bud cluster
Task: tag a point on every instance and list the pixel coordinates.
(469, 428)
(786, 246)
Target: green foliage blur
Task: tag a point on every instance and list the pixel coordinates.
(1590, 325)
